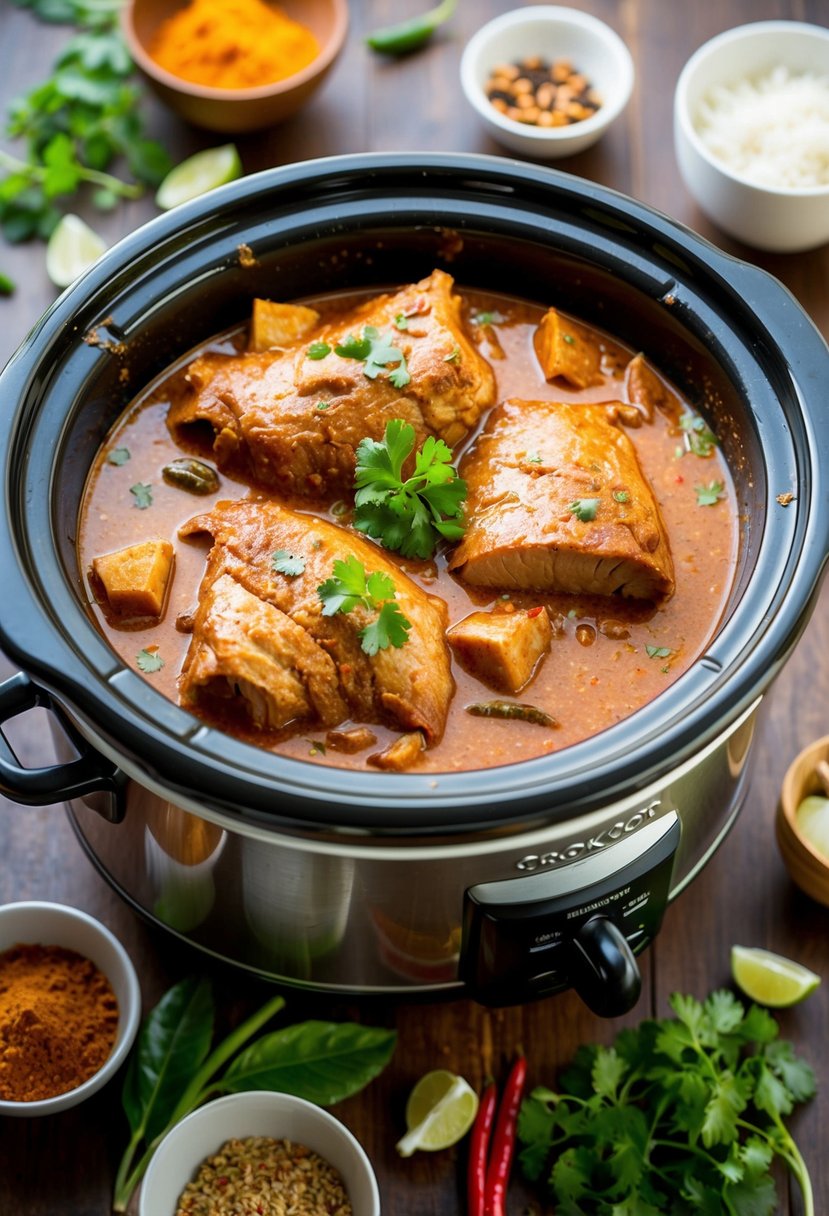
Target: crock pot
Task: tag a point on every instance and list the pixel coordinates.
(508, 883)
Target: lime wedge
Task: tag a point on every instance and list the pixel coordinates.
(769, 979)
(440, 1111)
(198, 174)
(73, 246)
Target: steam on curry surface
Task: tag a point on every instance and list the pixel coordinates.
(431, 529)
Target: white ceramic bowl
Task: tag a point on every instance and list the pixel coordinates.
(280, 1116)
(48, 924)
(781, 220)
(553, 32)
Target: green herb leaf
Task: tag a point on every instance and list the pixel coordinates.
(710, 495)
(378, 354)
(699, 440)
(409, 515)
(584, 508)
(118, 456)
(621, 496)
(569, 339)
(323, 1062)
(401, 321)
(350, 587)
(173, 1042)
(323, 405)
(487, 318)
(318, 350)
(289, 564)
(149, 661)
(658, 652)
(143, 495)
(453, 356)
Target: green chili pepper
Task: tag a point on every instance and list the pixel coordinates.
(511, 709)
(412, 34)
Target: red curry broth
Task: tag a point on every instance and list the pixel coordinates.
(607, 657)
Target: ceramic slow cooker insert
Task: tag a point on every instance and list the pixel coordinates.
(508, 883)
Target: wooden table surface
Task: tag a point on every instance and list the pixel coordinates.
(64, 1166)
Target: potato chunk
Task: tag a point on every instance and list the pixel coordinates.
(275, 324)
(567, 349)
(135, 579)
(502, 649)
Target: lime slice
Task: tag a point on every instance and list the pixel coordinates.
(440, 1111)
(198, 174)
(812, 817)
(769, 979)
(73, 246)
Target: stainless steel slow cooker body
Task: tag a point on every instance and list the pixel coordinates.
(368, 881)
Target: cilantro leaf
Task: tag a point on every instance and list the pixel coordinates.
(318, 350)
(118, 456)
(487, 318)
(584, 509)
(407, 515)
(289, 564)
(143, 495)
(710, 495)
(401, 321)
(350, 587)
(377, 353)
(699, 440)
(658, 652)
(149, 661)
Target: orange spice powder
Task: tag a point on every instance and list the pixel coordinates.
(232, 44)
(58, 1021)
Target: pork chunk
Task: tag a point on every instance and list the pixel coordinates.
(291, 422)
(648, 392)
(502, 649)
(557, 502)
(567, 349)
(260, 637)
(135, 579)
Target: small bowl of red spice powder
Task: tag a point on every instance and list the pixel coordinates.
(70, 1005)
(235, 65)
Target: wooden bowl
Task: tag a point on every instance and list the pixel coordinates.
(236, 110)
(807, 867)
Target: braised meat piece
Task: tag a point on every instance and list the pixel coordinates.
(290, 419)
(646, 390)
(262, 645)
(557, 502)
(567, 349)
(503, 649)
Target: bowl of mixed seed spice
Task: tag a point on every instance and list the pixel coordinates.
(547, 81)
(266, 1153)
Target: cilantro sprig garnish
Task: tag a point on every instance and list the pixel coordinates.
(408, 515)
(710, 495)
(681, 1115)
(75, 124)
(349, 587)
(377, 353)
(289, 564)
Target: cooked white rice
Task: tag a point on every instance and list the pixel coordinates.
(772, 129)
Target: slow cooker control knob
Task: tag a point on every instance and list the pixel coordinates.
(603, 970)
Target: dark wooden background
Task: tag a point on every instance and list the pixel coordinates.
(65, 1165)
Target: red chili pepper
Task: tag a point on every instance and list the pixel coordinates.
(503, 1142)
(478, 1149)
(531, 612)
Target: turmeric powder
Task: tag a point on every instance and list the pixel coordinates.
(232, 44)
(58, 1021)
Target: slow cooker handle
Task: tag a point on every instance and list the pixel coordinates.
(90, 773)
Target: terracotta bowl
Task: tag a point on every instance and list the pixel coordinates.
(807, 866)
(236, 110)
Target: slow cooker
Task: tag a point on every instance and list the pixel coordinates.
(506, 884)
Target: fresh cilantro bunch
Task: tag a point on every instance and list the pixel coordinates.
(351, 587)
(377, 353)
(682, 1115)
(408, 515)
(75, 124)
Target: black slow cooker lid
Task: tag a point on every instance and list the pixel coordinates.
(731, 336)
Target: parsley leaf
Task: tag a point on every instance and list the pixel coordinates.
(318, 350)
(683, 1115)
(584, 508)
(149, 661)
(289, 564)
(350, 587)
(699, 440)
(143, 495)
(409, 515)
(377, 352)
(710, 495)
